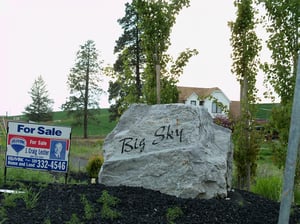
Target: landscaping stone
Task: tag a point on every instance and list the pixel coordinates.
(172, 148)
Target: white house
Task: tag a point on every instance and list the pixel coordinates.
(210, 98)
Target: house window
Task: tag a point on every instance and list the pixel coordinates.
(193, 102)
(201, 102)
(216, 108)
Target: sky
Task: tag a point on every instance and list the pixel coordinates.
(41, 37)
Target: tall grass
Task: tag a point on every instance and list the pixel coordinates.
(269, 178)
(85, 148)
(269, 187)
(268, 181)
(28, 175)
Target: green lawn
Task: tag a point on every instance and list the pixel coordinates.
(265, 162)
(264, 110)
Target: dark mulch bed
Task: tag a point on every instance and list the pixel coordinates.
(58, 202)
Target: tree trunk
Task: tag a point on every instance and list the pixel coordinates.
(137, 66)
(248, 184)
(157, 68)
(86, 99)
(246, 122)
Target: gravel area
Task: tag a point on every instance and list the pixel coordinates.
(79, 203)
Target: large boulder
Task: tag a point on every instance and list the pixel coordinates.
(172, 148)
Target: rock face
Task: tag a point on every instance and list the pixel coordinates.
(172, 148)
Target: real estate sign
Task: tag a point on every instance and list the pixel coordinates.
(36, 146)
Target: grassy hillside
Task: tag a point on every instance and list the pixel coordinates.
(61, 118)
(94, 129)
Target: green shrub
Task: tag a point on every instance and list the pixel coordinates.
(26, 194)
(74, 220)
(108, 213)
(93, 166)
(3, 215)
(9, 200)
(173, 214)
(47, 221)
(88, 208)
(31, 198)
(297, 195)
(269, 187)
(107, 202)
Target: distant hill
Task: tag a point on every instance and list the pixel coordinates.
(61, 118)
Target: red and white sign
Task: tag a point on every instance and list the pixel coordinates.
(37, 146)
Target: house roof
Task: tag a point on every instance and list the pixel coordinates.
(185, 92)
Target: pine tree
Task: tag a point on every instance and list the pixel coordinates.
(127, 85)
(41, 107)
(84, 84)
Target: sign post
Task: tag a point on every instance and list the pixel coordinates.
(38, 147)
(292, 155)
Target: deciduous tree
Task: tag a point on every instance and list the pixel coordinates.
(156, 21)
(283, 26)
(246, 46)
(142, 47)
